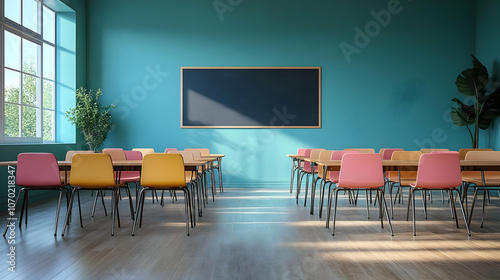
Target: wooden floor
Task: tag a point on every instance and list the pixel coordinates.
(256, 233)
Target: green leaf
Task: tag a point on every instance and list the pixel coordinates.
(93, 119)
(473, 81)
(457, 119)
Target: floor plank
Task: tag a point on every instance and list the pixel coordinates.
(256, 233)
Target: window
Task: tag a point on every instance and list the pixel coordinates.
(28, 104)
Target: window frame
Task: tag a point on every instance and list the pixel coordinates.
(25, 33)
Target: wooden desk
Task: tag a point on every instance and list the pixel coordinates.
(219, 166)
(122, 165)
(394, 165)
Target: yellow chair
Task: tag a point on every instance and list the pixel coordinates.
(92, 172)
(491, 178)
(163, 172)
(120, 178)
(69, 154)
(198, 188)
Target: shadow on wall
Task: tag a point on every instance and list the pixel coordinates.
(253, 156)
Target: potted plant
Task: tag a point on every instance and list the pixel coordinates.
(93, 119)
(474, 82)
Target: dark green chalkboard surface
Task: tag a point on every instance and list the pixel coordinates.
(251, 97)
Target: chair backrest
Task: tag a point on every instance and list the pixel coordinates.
(186, 155)
(144, 151)
(170, 149)
(301, 151)
(425, 151)
(337, 155)
(112, 149)
(133, 155)
(196, 153)
(325, 155)
(37, 170)
(439, 171)
(406, 155)
(312, 154)
(361, 170)
(361, 150)
(483, 155)
(92, 171)
(69, 154)
(116, 155)
(463, 152)
(315, 153)
(163, 170)
(387, 152)
(204, 151)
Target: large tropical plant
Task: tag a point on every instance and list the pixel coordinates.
(474, 82)
(93, 119)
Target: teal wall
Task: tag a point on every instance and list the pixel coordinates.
(10, 152)
(396, 90)
(487, 50)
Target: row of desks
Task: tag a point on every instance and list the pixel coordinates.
(136, 165)
(390, 165)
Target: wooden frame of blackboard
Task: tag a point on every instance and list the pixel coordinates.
(279, 120)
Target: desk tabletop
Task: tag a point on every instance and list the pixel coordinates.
(298, 157)
(214, 155)
(118, 163)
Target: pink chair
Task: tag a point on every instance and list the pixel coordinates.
(386, 155)
(170, 149)
(438, 171)
(332, 178)
(362, 172)
(37, 171)
(132, 176)
(308, 170)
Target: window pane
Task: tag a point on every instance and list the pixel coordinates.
(12, 51)
(49, 24)
(29, 122)
(30, 57)
(30, 15)
(48, 94)
(48, 125)
(48, 61)
(30, 85)
(13, 10)
(12, 86)
(11, 120)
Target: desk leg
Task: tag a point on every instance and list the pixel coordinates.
(294, 168)
(313, 188)
(219, 159)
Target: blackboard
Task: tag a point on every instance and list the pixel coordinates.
(250, 97)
